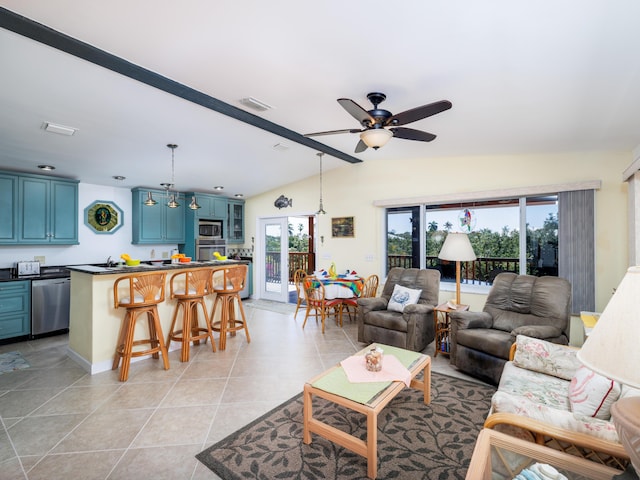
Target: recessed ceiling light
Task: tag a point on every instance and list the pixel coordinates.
(59, 129)
(218, 188)
(46, 168)
(255, 104)
(239, 195)
(119, 177)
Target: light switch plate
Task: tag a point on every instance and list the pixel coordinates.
(39, 259)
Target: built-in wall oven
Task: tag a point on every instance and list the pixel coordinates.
(206, 248)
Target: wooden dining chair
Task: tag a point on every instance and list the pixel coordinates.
(298, 278)
(322, 307)
(370, 288)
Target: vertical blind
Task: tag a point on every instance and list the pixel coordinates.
(576, 249)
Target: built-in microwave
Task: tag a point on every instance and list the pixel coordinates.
(210, 230)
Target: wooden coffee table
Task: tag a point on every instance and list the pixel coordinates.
(366, 398)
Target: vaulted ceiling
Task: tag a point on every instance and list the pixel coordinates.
(523, 77)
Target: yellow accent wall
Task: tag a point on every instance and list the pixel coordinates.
(350, 190)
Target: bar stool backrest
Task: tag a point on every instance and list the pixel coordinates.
(190, 283)
(139, 289)
(229, 279)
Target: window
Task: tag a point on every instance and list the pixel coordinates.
(517, 234)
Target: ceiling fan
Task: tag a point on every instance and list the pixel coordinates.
(375, 133)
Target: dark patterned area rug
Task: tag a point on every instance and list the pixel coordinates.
(415, 441)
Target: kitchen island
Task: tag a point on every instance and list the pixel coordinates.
(94, 321)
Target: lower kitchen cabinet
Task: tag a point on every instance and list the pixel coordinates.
(15, 308)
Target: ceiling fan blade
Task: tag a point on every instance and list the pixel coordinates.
(411, 134)
(418, 113)
(333, 132)
(361, 147)
(357, 112)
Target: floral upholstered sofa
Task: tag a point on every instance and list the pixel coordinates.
(545, 394)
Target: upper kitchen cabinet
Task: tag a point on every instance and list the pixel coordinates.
(157, 224)
(211, 206)
(47, 210)
(8, 209)
(236, 222)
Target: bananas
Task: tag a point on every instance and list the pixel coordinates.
(125, 257)
(218, 256)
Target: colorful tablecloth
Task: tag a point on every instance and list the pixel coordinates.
(342, 286)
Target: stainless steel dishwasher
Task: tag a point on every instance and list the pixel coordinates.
(50, 305)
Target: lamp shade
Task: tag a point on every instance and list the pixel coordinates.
(376, 137)
(457, 247)
(611, 349)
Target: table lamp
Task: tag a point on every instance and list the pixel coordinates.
(457, 247)
(612, 350)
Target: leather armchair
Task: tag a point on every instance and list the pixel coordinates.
(537, 307)
(412, 329)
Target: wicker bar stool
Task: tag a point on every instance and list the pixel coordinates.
(227, 283)
(139, 293)
(189, 288)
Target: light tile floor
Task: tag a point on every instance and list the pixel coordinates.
(59, 422)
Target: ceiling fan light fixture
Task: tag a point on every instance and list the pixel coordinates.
(376, 137)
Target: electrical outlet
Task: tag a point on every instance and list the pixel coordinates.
(165, 255)
(368, 257)
(39, 259)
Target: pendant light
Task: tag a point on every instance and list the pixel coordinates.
(194, 205)
(321, 209)
(172, 203)
(150, 202)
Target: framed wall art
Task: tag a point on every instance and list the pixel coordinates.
(343, 227)
(103, 217)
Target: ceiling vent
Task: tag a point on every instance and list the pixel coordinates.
(281, 147)
(255, 104)
(59, 129)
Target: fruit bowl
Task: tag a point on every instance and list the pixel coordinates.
(132, 263)
(185, 259)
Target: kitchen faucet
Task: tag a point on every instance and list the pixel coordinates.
(110, 263)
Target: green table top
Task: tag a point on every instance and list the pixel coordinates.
(336, 381)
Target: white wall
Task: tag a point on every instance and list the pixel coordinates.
(93, 247)
(352, 189)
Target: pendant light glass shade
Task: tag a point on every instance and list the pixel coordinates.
(150, 202)
(194, 205)
(321, 207)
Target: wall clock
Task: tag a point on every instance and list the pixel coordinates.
(103, 217)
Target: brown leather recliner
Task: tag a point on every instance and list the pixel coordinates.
(537, 307)
(412, 329)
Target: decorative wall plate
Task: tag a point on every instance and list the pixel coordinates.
(103, 216)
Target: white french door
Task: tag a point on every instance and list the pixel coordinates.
(274, 257)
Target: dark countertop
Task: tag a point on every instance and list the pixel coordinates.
(143, 267)
(10, 275)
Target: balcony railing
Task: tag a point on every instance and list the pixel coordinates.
(297, 260)
(482, 271)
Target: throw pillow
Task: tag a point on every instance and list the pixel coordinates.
(592, 395)
(401, 297)
(546, 357)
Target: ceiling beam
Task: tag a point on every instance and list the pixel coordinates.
(48, 36)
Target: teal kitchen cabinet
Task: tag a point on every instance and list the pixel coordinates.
(15, 309)
(235, 225)
(8, 209)
(157, 224)
(211, 206)
(48, 210)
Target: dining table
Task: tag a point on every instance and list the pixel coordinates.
(341, 286)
